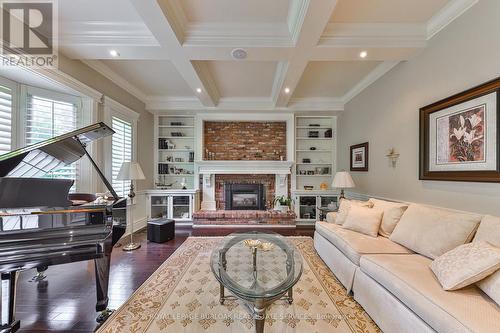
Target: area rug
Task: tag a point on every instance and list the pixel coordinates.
(183, 296)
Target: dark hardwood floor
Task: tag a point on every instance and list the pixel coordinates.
(65, 300)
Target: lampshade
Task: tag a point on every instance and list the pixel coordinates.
(130, 171)
(343, 179)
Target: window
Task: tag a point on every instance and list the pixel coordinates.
(121, 152)
(5, 120)
(46, 118)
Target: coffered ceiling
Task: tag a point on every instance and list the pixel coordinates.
(300, 54)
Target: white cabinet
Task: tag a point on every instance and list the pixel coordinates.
(173, 204)
(307, 205)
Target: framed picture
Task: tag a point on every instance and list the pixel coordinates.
(459, 136)
(359, 157)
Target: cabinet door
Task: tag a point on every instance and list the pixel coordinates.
(159, 206)
(307, 207)
(181, 207)
(326, 200)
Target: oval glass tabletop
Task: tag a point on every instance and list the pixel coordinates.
(256, 265)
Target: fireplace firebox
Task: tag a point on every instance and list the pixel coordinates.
(245, 197)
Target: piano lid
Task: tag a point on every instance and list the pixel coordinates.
(41, 158)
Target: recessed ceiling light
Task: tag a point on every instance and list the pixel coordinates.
(114, 53)
(287, 90)
(363, 54)
(198, 90)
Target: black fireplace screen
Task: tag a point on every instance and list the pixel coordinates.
(245, 197)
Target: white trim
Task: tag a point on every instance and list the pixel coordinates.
(60, 78)
(296, 17)
(105, 33)
(121, 109)
(448, 14)
(111, 75)
(373, 76)
(317, 104)
(244, 167)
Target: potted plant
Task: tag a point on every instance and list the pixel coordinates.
(285, 203)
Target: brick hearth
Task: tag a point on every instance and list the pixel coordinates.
(243, 217)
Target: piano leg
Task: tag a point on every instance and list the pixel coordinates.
(102, 282)
(8, 324)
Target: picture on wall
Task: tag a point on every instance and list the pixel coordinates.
(359, 157)
(459, 136)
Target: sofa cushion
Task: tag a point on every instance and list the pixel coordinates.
(353, 244)
(331, 217)
(466, 264)
(392, 214)
(489, 230)
(434, 231)
(345, 206)
(409, 278)
(364, 220)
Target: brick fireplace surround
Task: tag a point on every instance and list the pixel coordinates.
(246, 142)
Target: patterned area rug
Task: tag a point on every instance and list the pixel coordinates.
(183, 296)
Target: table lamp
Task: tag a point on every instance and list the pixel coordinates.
(131, 171)
(342, 180)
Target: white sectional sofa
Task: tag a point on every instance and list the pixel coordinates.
(396, 286)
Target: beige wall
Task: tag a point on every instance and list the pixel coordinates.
(90, 77)
(465, 54)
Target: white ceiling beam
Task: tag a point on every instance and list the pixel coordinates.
(308, 32)
(167, 33)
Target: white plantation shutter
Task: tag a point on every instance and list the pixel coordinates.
(47, 118)
(121, 152)
(5, 120)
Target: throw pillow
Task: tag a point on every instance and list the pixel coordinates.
(345, 206)
(433, 231)
(392, 214)
(466, 264)
(489, 231)
(331, 217)
(364, 220)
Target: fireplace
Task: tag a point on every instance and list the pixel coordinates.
(245, 197)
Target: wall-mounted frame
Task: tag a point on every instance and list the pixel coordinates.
(359, 157)
(460, 136)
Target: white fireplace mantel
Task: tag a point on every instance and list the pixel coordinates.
(244, 167)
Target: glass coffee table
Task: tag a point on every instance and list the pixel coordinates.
(258, 268)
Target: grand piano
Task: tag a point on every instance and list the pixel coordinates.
(40, 227)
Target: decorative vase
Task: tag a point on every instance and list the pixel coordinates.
(283, 209)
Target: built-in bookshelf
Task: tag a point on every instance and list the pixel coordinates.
(175, 151)
(314, 152)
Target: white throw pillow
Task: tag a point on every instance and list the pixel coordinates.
(331, 217)
(466, 264)
(432, 231)
(345, 206)
(364, 220)
(489, 230)
(392, 214)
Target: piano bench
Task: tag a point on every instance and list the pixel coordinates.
(161, 230)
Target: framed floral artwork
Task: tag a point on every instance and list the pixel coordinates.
(359, 157)
(459, 136)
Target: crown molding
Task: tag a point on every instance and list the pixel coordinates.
(296, 17)
(374, 35)
(316, 104)
(166, 103)
(237, 34)
(108, 73)
(448, 14)
(279, 79)
(373, 76)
